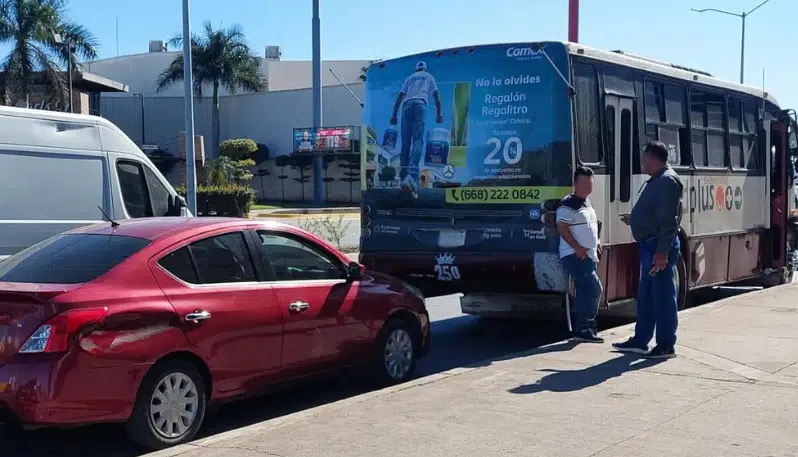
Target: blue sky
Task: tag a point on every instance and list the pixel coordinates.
(355, 29)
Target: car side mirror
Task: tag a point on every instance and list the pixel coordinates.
(354, 271)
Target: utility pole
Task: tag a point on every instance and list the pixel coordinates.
(742, 17)
(191, 162)
(66, 42)
(318, 166)
(573, 21)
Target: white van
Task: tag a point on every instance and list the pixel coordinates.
(58, 169)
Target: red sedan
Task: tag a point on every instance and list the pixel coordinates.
(147, 321)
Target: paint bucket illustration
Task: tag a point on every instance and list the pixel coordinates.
(437, 153)
(389, 139)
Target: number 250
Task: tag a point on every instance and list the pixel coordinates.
(447, 272)
(511, 159)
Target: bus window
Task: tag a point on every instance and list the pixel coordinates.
(736, 133)
(751, 155)
(707, 118)
(665, 120)
(588, 134)
(626, 154)
(609, 132)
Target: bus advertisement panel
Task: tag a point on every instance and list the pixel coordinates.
(471, 143)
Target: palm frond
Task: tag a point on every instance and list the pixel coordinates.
(172, 75)
(85, 44)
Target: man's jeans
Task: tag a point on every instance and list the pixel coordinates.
(414, 116)
(588, 290)
(657, 298)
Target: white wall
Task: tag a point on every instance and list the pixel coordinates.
(270, 118)
(141, 71)
(298, 74)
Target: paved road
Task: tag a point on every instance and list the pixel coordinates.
(458, 340)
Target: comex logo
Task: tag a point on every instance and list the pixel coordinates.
(522, 52)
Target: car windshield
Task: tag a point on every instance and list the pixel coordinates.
(69, 258)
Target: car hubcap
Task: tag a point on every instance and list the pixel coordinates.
(398, 354)
(173, 406)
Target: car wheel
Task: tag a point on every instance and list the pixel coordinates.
(170, 406)
(397, 352)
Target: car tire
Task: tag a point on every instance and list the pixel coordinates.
(145, 426)
(398, 348)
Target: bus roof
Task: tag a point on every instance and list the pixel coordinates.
(665, 68)
(631, 60)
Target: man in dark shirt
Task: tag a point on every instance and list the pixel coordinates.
(655, 221)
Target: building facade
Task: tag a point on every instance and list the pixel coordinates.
(156, 119)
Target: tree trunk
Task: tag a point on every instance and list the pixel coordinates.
(215, 121)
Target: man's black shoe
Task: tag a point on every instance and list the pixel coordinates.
(630, 345)
(660, 353)
(587, 336)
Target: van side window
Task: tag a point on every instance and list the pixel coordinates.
(143, 193)
(134, 189)
(158, 194)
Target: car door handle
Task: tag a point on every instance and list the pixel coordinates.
(198, 315)
(298, 307)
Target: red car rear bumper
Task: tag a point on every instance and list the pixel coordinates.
(46, 389)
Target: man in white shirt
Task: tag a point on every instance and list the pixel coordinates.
(577, 225)
(415, 94)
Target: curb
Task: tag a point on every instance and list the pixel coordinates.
(269, 424)
(296, 211)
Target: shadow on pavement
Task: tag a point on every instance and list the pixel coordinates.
(573, 380)
(457, 342)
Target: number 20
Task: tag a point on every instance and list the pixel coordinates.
(447, 272)
(497, 146)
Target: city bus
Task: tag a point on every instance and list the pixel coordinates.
(487, 139)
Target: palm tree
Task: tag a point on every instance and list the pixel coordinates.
(220, 58)
(220, 171)
(29, 28)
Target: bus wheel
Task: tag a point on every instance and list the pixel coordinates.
(792, 259)
(680, 281)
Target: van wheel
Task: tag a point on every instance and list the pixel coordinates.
(170, 406)
(680, 280)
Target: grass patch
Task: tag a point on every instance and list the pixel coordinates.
(257, 206)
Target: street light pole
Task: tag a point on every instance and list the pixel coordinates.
(69, 69)
(191, 162)
(65, 41)
(742, 17)
(318, 165)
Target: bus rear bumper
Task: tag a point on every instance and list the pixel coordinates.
(444, 273)
(537, 306)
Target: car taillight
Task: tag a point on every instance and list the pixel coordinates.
(53, 335)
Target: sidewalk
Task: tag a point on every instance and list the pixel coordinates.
(733, 391)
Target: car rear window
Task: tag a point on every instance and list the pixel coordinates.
(70, 258)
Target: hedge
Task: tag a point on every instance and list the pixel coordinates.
(222, 201)
(238, 149)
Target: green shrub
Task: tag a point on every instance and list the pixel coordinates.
(242, 171)
(238, 149)
(222, 201)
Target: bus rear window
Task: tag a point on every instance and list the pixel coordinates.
(70, 258)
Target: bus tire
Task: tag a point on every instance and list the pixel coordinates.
(682, 283)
